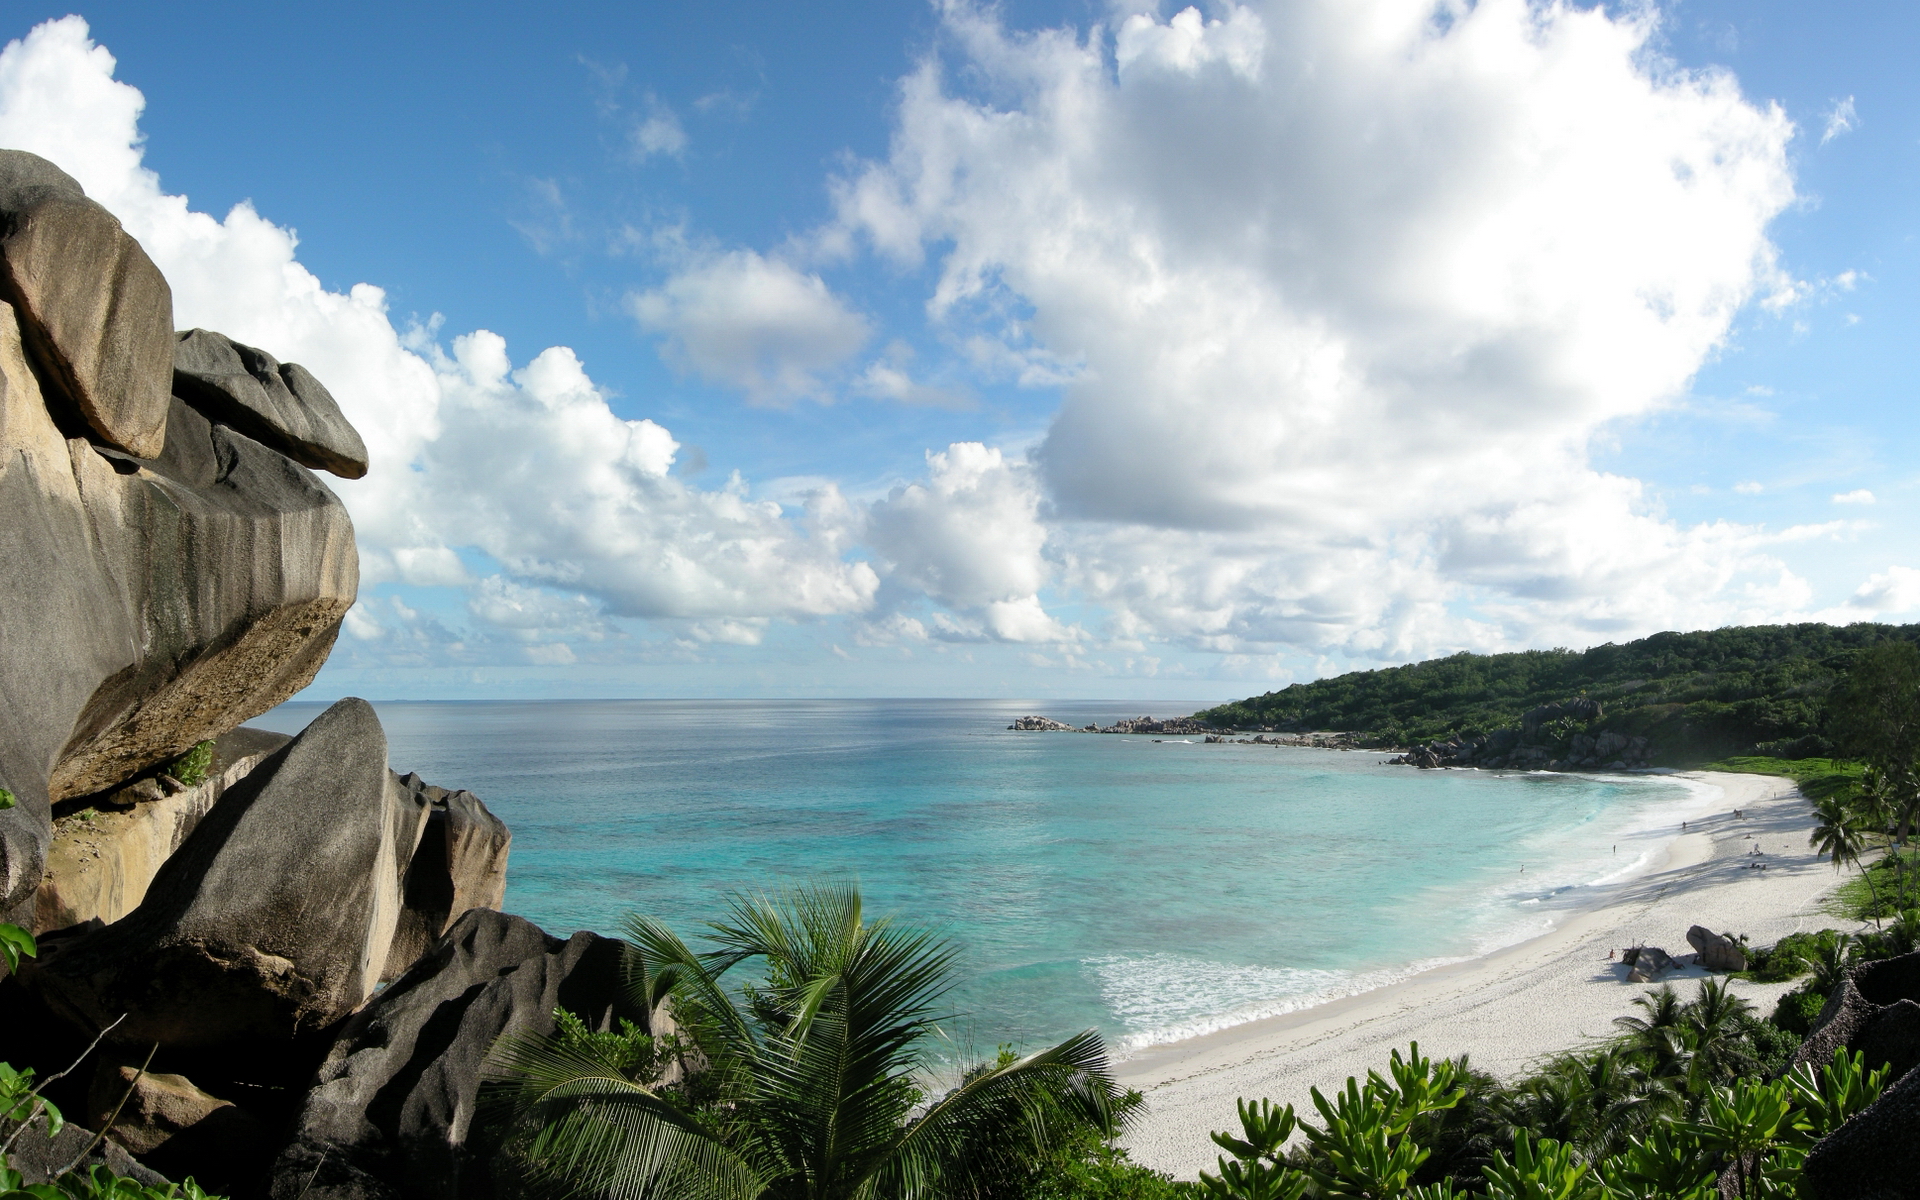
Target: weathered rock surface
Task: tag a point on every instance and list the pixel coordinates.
(104, 857)
(1875, 1012)
(1717, 951)
(277, 404)
(97, 314)
(1041, 724)
(392, 1110)
(276, 915)
(150, 604)
(152, 1107)
(1875, 1156)
(461, 863)
(38, 1157)
(1648, 962)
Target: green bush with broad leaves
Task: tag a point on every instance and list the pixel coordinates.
(1368, 1145)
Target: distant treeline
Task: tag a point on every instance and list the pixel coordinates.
(1697, 696)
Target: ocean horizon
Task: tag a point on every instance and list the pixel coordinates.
(1153, 888)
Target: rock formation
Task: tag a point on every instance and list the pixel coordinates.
(1876, 1013)
(275, 404)
(175, 568)
(1648, 963)
(96, 314)
(168, 576)
(459, 864)
(105, 854)
(1523, 749)
(1716, 951)
(1041, 724)
(391, 1113)
(274, 918)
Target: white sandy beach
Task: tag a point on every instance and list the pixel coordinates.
(1512, 1007)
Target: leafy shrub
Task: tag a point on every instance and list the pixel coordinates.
(97, 1184)
(627, 1050)
(1797, 1011)
(191, 768)
(1755, 1131)
(1772, 1045)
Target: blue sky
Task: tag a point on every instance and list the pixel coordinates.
(1084, 350)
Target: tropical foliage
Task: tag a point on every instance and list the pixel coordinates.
(1617, 1136)
(1697, 696)
(801, 1080)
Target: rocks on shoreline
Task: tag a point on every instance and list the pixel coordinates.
(212, 952)
(1544, 741)
(1175, 725)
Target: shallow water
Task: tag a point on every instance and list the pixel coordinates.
(1154, 889)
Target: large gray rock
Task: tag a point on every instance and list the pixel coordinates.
(98, 314)
(273, 920)
(150, 604)
(461, 863)
(1717, 952)
(391, 1113)
(1648, 963)
(277, 404)
(39, 1157)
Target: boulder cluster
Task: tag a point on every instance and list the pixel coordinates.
(1538, 744)
(1173, 725)
(1327, 739)
(276, 962)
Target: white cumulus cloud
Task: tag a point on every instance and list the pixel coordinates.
(751, 322)
(526, 464)
(1353, 289)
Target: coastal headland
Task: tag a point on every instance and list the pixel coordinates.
(1511, 1008)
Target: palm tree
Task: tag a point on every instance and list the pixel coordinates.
(1627, 1099)
(1838, 836)
(1887, 801)
(809, 1088)
(1833, 956)
(1659, 1037)
(1712, 1024)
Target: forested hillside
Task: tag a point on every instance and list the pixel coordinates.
(1755, 689)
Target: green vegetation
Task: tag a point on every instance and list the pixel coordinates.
(15, 943)
(1819, 778)
(803, 1082)
(98, 1183)
(1661, 1111)
(808, 1074)
(191, 768)
(1697, 696)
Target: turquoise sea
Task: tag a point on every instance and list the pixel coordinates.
(1154, 889)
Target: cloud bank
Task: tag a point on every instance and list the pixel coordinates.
(1335, 297)
(1355, 287)
(525, 468)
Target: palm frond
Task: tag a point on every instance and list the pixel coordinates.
(935, 1144)
(598, 1133)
